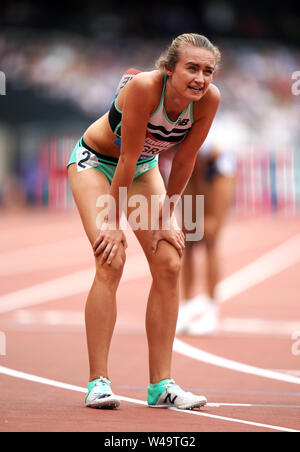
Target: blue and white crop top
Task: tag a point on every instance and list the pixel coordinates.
(161, 133)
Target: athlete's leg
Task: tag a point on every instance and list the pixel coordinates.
(192, 305)
(100, 310)
(188, 272)
(162, 307)
(218, 200)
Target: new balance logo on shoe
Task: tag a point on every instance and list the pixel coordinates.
(168, 399)
(101, 396)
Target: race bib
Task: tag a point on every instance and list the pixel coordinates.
(85, 159)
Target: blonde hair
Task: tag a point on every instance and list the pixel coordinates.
(170, 57)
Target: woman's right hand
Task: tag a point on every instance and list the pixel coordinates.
(107, 243)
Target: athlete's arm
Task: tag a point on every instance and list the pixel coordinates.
(185, 157)
(137, 107)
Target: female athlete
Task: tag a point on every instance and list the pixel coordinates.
(152, 111)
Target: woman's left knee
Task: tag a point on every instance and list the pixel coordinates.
(165, 265)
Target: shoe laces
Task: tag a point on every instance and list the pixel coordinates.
(173, 386)
(103, 384)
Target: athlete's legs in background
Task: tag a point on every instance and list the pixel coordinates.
(191, 304)
(218, 199)
(188, 273)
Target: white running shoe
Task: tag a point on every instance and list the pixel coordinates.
(100, 395)
(207, 325)
(189, 310)
(174, 396)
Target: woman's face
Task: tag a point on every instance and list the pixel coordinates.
(193, 72)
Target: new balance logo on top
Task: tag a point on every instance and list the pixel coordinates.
(182, 122)
(168, 399)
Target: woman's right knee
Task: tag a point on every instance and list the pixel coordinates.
(111, 273)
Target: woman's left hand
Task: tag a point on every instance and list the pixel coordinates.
(172, 234)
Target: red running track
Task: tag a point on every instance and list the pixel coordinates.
(249, 371)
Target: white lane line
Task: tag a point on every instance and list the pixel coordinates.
(41, 380)
(252, 405)
(259, 326)
(239, 421)
(269, 264)
(294, 372)
(58, 384)
(72, 318)
(67, 286)
(39, 257)
(40, 248)
(208, 358)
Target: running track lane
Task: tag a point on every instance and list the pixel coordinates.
(220, 423)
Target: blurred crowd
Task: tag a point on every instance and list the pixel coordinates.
(226, 18)
(258, 117)
(255, 79)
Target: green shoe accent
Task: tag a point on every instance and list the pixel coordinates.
(156, 390)
(92, 384)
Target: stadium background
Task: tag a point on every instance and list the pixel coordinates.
(62, 67)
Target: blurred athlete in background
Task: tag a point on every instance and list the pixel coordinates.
(213, 177)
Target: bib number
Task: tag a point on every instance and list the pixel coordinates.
(85, 159)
